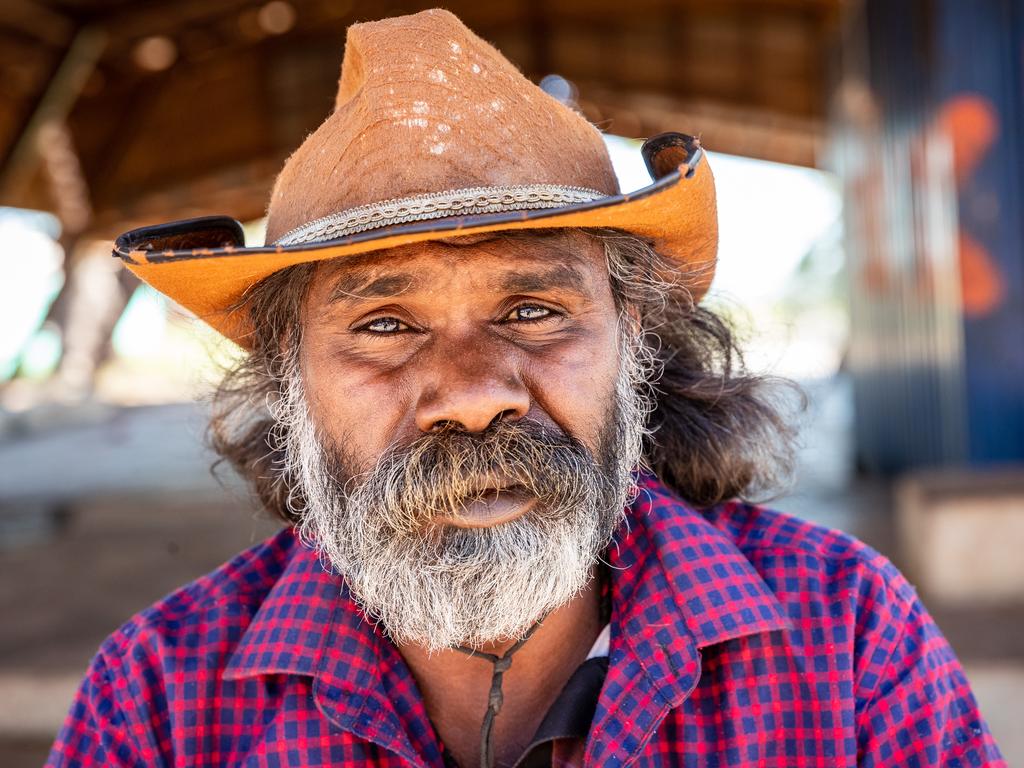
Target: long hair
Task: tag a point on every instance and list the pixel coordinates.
(715, 431)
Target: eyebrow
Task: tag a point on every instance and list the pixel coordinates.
(353, 286)
(561, 276)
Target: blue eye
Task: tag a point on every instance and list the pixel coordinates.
(530, 312)
(384, 325)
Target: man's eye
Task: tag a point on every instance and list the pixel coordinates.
(384, 325)
(529, 312)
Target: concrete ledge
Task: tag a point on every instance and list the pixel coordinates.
(33, 706)
(962, 534)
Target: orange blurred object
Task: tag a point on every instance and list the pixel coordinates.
(972, 124)
(981, 284)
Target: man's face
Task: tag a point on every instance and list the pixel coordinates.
(462, 427)
(426, 336)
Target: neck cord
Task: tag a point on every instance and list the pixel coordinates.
(495, 698)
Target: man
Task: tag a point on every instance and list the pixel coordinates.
(507, 443)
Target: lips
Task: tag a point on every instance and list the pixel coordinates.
(491, 506)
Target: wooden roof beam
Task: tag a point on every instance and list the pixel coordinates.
(56, 103)
(39, 21)
(734, 130)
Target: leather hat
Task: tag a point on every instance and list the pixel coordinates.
(434, 134)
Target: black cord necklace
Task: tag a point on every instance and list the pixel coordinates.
(495, 698)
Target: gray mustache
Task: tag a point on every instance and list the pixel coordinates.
(439, 472)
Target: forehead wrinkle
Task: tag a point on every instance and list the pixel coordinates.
(535, 264)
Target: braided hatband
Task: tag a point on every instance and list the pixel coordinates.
(438, 205)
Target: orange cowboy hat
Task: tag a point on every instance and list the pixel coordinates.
(434, 134)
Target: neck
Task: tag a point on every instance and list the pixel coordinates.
(455, 686)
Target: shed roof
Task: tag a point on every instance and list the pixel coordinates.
(171, 108)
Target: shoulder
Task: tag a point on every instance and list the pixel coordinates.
(165, 658)
(784, 549)
(851, 610)
(769, 537)
(832, 587)
(855, 615)
(211, 612)
(796, 556)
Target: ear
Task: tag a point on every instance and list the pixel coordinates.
(666, 152)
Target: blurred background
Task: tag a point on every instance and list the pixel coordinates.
(870, 163)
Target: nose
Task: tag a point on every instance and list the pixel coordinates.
(470, 390)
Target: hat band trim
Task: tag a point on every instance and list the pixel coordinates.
(438, 205)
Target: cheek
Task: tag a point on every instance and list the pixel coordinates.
(355, 405)
(576, 387)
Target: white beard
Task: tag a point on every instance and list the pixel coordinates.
(440, 587)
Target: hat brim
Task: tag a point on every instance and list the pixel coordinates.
(202, 264)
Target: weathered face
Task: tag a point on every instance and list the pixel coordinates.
(461, 422)
(438, 335)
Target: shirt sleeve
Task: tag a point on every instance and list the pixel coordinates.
(922, 711)
(95, 732)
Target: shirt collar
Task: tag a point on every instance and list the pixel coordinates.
(679, 585)
(287, 632)
(309, 625)
(716, 591)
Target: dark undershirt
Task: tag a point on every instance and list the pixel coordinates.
(567, 720)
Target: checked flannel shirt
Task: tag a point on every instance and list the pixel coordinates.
(739, 637)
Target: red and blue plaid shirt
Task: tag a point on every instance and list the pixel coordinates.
(739, 637)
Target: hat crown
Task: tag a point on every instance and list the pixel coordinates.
(424, 106)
